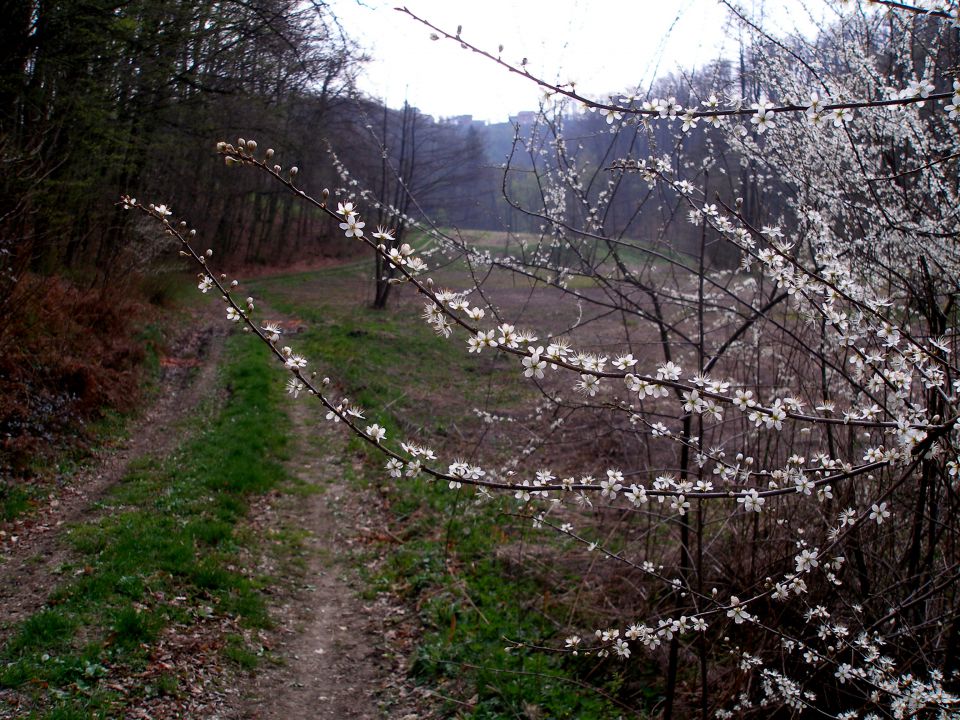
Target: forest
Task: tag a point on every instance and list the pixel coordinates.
(640, 405)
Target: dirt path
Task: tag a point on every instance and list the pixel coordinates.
(31, 549)
(336, 655)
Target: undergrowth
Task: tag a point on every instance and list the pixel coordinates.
(76, 364)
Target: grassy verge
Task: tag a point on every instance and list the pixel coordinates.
(455, 562)
(164, 557)
(388, 362)
(460, 566)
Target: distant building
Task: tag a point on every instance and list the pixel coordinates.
(524, 117)
(461, 120)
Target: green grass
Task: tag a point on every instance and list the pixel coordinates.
(237, 652)
(169, 530)
(471, 604)
(448, 566)
(14, 500)
(389, 362)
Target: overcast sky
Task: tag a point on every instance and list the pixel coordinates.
(603, 45)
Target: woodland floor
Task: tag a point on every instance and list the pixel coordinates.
(328, 653)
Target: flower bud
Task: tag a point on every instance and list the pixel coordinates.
(252, 145)
(269, 153)
(294, 170)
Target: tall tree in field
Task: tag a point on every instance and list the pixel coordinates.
(423, 172)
